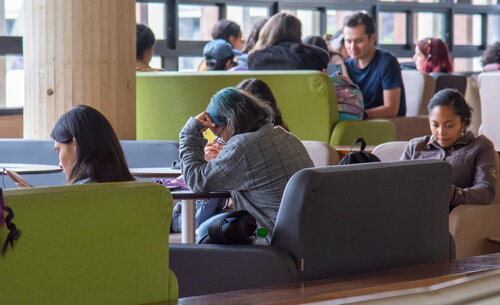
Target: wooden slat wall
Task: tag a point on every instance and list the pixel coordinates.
(79, 52)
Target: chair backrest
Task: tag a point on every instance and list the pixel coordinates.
(452, 81)
(473, 99)
(31, 151)
(102, 243)
(339, 220)
(490, 112)
(150, 153)
(390, 151)
(166, 100)
(419, 89)
(321, 153)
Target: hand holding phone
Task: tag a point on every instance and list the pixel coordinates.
(18, 179)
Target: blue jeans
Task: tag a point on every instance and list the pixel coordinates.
(204, 210)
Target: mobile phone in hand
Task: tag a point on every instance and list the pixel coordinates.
(18, 179)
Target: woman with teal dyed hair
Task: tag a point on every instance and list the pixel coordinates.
(256, 163)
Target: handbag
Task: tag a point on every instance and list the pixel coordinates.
(235, 227)
(360, 156)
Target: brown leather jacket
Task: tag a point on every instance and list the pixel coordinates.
(473, 163)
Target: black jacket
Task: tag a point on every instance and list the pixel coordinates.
(288, 56)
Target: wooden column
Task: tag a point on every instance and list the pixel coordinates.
(79, 52)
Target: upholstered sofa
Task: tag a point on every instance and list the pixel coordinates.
(103, 243)
(307, 99)
(333, 221)
(475, 228)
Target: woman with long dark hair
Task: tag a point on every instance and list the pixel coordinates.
(88, 148)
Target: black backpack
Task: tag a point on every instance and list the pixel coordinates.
(233, 228)
(360, 156)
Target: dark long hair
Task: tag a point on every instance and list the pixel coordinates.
(14, 233)
(254, 35)
(99, 153)
(261, 90)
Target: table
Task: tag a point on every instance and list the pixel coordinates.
(155, 172)
(31, 169)
(188, 210)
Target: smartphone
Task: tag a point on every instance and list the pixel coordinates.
(18, 179)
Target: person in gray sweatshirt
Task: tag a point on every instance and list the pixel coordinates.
(256, 163)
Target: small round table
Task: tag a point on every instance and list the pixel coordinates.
(30, 169)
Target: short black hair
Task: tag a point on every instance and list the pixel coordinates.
(145, 40)
(455, 100)
(492, 54)
(361, 18)
(220, 65)
(224, 29)
(315, 40)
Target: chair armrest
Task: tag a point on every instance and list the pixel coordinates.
(474, 228)
(208, 268)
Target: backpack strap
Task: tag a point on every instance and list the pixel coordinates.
(359, 140)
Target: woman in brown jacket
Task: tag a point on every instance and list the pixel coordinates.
(472, 158)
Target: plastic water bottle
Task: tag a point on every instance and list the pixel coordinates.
(260, 238)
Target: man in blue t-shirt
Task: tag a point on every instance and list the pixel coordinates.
(375, 71)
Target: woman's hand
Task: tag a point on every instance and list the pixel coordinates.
(205, 120)
(212, 150)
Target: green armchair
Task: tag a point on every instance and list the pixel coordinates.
(103, 243)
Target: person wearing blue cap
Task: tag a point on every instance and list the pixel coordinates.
(256, 163)
(219, 55)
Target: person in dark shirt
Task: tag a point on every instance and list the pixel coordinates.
(375, 71)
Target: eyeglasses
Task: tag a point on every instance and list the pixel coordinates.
(219, 140)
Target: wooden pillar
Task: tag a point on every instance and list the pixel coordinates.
(79, 52)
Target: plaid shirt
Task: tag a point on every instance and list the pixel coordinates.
(254, 166)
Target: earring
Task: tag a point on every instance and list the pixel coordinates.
(464, 131)
(74, 148)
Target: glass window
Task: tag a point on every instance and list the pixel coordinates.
(335, 20)
(391, 28)
(246, 16)
(14, 80)
(428, 25)
(467, 64)
(467, 29)
(13, 25)
(493, 28)
(153, 15)
(155, 62)
(309, 19)
(421, 1)
(197, 21)
(483, 2)
(189, 63)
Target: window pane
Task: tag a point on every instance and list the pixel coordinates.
(467, 29)
(467, 64)
(189, 63)
(391, 28)
(309, 19)
(335, 20)
(197, 21)
(483, 2)
(152, 15)
(246, 16)
(13, 25)
(155, 62)
(428, 25)
(493, 28)
(13, 66)
(421, 1)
